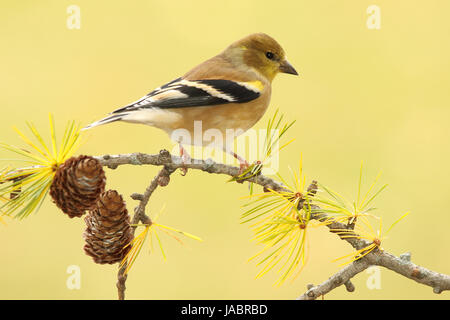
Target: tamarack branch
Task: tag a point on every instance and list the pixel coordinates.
(76, 185)
(402, 265)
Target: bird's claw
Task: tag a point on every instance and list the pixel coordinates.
(243, 166)
(185, 158)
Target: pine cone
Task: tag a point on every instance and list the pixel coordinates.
(77, 185)
(108, 229)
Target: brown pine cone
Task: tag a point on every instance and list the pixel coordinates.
(108, 229)
(77, 185)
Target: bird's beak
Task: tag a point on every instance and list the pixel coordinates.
(286, 67)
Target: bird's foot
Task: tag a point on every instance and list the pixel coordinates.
(243, 166)
(242, 173)
(185, 159)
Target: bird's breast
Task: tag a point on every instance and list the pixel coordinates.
(224, 120)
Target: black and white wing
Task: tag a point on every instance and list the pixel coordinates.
(182, 93)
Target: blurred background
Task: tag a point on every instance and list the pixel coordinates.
(378, 95)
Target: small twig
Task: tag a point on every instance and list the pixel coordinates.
(349, 286)
(161, 179)
(139, 211)
(121, 279)
(342, 277)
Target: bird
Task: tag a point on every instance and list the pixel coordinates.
(229, 92)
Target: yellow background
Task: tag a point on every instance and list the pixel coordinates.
(378, 96)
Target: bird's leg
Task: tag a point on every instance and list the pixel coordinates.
(243, 164)
(185, 158)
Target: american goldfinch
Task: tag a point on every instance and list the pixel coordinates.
(230, 91)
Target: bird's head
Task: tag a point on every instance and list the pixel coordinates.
(262, 53)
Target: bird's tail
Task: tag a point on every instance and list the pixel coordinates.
(111, 118)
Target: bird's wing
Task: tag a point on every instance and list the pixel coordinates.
(181, 93)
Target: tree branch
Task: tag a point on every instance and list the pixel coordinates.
(438, 281)
(164, 158)
(401, 265)
(161, 179)
(338, 279)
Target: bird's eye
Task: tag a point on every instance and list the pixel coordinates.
(270, 55)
